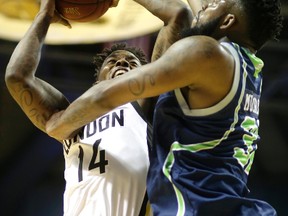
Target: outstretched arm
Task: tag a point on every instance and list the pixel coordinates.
(38, 99)
(198, 62)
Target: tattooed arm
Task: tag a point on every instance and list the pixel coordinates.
(38, 99)
(176, 15)
(199, 62)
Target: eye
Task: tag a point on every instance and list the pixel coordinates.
(134, 63)
(111, 61)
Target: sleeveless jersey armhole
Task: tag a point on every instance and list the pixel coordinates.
(221, 104)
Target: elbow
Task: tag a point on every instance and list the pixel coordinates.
(51, 128)
(56, 130)
(59, 136)
(183, 9)
(175, 11)
(183, 15)
(11, 77)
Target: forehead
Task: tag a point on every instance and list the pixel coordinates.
(219, 2)
(223, 6)
(122, 54)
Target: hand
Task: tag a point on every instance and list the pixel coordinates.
(48, 6)
(57, 18)
(114, 3)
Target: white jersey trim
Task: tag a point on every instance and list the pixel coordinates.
(221, 104)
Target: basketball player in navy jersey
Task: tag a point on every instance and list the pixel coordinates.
(106, 158)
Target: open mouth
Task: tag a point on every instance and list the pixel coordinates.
(119, 72)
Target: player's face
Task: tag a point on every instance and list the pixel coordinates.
(209, 18)
(117, 64)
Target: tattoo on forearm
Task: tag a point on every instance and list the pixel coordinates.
(137, 87)
(26, 101)
(34, 113)
(26, 98)
(77, 118)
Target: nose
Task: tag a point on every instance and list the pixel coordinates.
(122, 62)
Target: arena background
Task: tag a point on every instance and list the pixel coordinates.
(32, 164)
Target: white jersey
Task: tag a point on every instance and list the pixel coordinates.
(106, 165)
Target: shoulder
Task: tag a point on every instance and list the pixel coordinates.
(200, 50)
(203, 45)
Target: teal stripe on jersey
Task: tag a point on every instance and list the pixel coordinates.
(257, 62)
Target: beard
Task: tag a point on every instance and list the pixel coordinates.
(207, 29)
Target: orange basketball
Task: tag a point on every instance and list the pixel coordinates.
(82, 10)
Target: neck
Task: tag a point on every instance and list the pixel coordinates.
(246, 44)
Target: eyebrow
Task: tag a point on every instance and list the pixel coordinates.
(128, 57)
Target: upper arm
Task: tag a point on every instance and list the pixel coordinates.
(189, 61)
(202, 65)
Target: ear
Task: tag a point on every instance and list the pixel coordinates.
(228, 21)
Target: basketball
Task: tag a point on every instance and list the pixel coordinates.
(82, 10)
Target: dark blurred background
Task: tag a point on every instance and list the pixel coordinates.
(32, 164)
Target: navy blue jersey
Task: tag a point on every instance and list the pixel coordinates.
(201, 158)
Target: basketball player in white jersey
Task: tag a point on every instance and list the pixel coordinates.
(106, 159)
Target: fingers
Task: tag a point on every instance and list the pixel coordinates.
(57, 18)
(65, 23)
(114, 3)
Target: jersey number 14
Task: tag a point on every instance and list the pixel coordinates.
(93, 164)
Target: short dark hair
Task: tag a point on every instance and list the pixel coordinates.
(99, 58)
(264, 20)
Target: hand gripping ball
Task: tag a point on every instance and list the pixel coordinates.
(83, 10)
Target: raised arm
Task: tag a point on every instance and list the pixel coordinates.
(195, 5)
(176, 16)
(38, 99)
